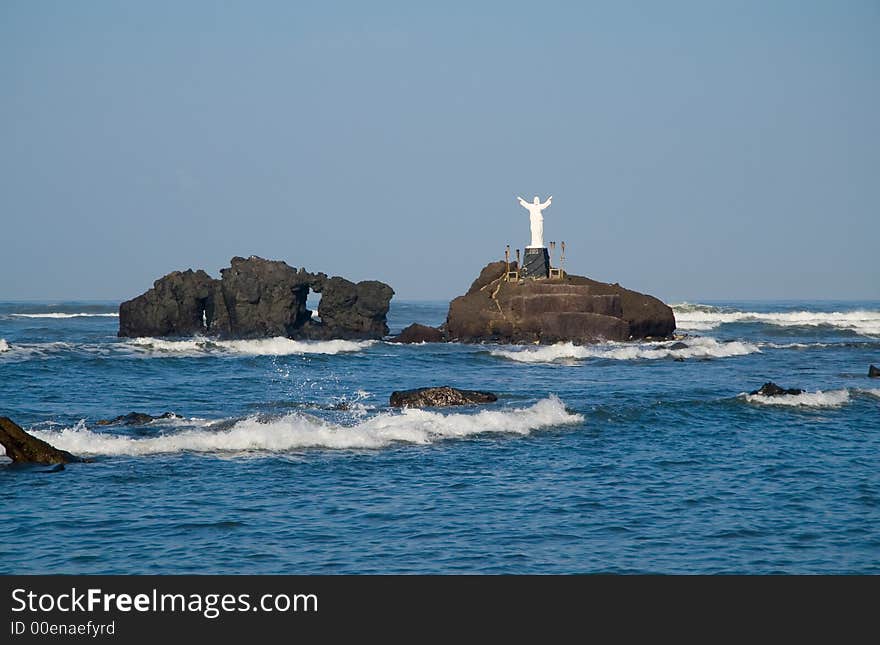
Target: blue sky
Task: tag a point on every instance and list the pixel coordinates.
(694, 150)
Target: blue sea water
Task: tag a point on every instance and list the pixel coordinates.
(286, 459)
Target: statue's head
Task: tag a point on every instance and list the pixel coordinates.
(536, 200)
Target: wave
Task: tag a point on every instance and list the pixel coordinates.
(58, 314)
(297, 431)
(4, 346)
(195, 347)
(278, 346)
(26, 351)
(818, 399)
(698, 347)
(704, 317)
(689, 307)
(803, 345)
(867, 344)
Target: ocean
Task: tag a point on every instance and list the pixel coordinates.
(285, 458)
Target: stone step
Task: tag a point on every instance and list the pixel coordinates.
(528, 306)
(548, 286)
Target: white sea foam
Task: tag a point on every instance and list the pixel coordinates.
(818, 399)
(58, 314)
(176, 421)
(26, 351)
(694, 325)
(4, 346)
(697, 347)
(278, 346)
(794, 345)
(299, 430)
(704, 317)
(871, 391)
(152, 347)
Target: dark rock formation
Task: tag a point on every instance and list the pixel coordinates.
(23, 448)
(417, 333)
(257, 298)
(771, 389)
(134, 419)
(573, 308)
(873, 371)
(350, 310)
(439, 397)
(678, 345)
(173, 307)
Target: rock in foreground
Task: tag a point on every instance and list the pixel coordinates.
(257, 298)
(439, 397)
(417, 333)
(771, 389)
(572, 308)
(873, 371)
(23, 448)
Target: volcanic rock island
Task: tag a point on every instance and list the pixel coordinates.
(500, 307)
(257, 298)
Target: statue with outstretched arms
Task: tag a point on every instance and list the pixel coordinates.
(536, 219)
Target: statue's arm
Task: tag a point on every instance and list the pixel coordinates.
(522, 202)
(547, 203)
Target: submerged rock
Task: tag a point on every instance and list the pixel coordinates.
(873, 371)
(573, 308)
(678, 345)
(134, 419)
(439, 397)
(771, 389)
(24, 448)
(257, 298)
(417, 333)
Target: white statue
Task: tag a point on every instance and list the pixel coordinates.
(536, 220)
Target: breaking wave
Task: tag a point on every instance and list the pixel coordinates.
(697, 347)
(58, 314)
(194, 347)
(278, 346)
(26, 351)
(697, 317)
(296, 431)
(818, 399)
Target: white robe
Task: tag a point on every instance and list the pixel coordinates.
(536, 223)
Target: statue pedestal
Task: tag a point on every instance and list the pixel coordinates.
(536, 263)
